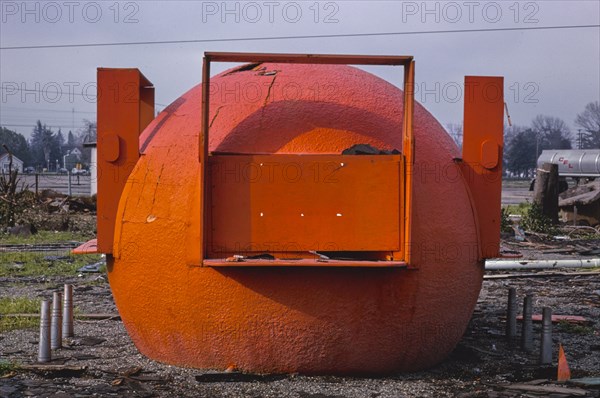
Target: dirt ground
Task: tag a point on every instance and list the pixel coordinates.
(104, 362)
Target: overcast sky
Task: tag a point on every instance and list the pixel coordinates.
(552, 72)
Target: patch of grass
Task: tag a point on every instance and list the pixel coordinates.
(7, 367)
(574, 328)
(521, 208)
(516, 182)
(18, 305)
(46, 264)
(45, 237)
(505, 223)
(536, 221)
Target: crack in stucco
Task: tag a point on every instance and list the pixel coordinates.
(215, 116)
(264, 106)
(143, 185)
(269, 91)
(158, 181)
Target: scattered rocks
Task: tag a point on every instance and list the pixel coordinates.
(22, 230)
(484, 364)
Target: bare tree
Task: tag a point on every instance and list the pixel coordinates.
(589, 121)
(552, 133)
(455, 130)
(520, 152)
(88, 132)
(85, 135)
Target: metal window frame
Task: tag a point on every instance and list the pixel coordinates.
(408, 141)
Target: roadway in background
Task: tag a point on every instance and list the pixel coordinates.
(80, 185)
(513, 191)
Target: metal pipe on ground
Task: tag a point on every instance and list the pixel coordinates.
(499, 265)
(67, 321)
(546, 346)
(56, 324)
(44, 354)
(511, 315)
(527, 326)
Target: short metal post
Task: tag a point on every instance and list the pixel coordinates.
(70, 192)
(56, 325)
(511, 314)
(527, 329)
(546, 346)
(44, 354)
(67, 321)
(37, 178)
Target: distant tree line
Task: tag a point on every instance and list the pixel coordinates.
(524, 144)
(47, 148)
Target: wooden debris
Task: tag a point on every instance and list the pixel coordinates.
(232, 377)
(55, 369)
(575, 319)
(134, 375)
(586, 198)
(8, 375)
(586, 381)
(87, 341)
(490, 353)
(95, 317)
(546, 389)
(52, 367)
(560, 251)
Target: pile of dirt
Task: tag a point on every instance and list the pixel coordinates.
(53, 202)
(53, 211)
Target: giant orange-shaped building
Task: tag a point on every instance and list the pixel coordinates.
(240, 230)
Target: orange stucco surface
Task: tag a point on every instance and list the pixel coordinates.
(313, 320)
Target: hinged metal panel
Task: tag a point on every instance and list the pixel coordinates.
(301, 203)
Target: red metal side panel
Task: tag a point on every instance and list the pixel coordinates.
(482, 155)
(125, 107)
(297, 203)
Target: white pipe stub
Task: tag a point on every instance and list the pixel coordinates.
(498, 265)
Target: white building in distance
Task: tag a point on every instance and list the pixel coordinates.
(17, 164)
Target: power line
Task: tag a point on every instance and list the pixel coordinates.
(34, 124)
(30, 90)
(137, 43)
(15, 119)
(19, 109)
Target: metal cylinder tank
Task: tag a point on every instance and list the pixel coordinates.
(573, 162)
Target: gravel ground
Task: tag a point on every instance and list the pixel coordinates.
(482, 365)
